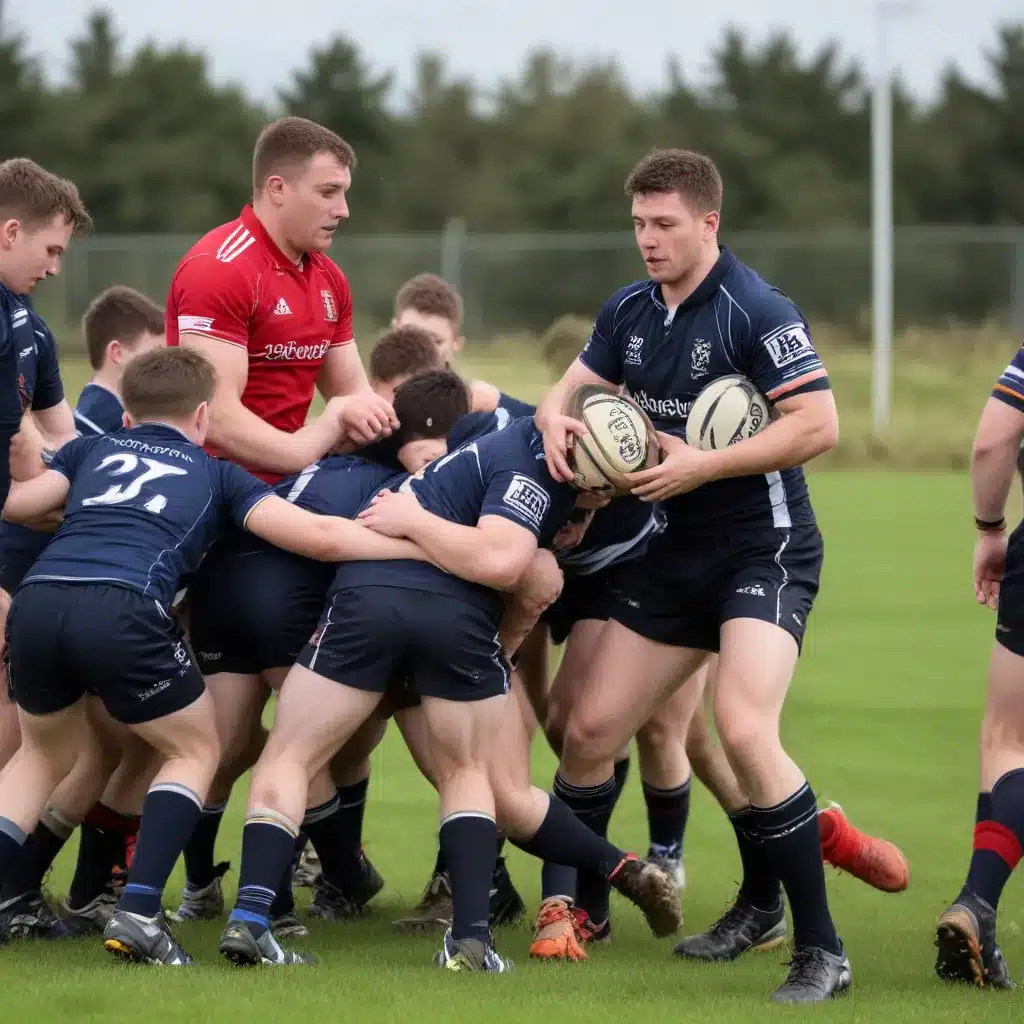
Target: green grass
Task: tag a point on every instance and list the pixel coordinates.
(883, 717)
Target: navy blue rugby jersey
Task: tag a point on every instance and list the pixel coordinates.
(145, 505)
(99, 411)
(502, 473)
(734, 322)
(617, 532)
(39, 387)
(514, 406)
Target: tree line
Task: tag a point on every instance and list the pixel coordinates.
(156, 146)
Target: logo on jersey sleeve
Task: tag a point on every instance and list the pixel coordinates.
(330, 309)
(528, 499)
(634, 351)
(788, 344)
(194, 323)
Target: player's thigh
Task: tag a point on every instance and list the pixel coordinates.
(412, 724)
(755, 668)
(533, 668)
(315, 716)
(463, 733)
(238, 702)
(574, 671)
(60, 736)
(630, 675)
(1002, 737)
(670, 720)
(350, 764)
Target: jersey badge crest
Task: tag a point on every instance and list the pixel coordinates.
(330, 310)
(700, 357)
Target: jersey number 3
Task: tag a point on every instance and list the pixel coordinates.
(123, 464)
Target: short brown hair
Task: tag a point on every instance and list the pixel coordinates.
(693, 175)
(291, 142)
(402, 352)
(428, 405)
(34, 196)
(432, 296)
(119, 314)
(167, 383)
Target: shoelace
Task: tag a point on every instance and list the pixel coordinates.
(552, 913)
(802, 966)
(735, 916)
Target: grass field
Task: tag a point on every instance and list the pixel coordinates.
(883, 718)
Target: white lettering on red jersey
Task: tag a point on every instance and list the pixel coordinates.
(235, 285)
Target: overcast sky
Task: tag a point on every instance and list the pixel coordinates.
(258, 42)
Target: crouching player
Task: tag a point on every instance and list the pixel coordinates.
(480, 512)
(142, 508)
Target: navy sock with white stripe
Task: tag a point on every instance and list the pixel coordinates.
(268, 844)
(790, 838)
(169, 814)
(469, 840)
(335, 828)
(12, 839)
(199, 851)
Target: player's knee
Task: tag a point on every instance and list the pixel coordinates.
(659, 737)
(1002, 730)
(588, 737)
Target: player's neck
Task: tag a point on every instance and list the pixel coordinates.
(109, 380)
(265, 216)
(5, 280)
(675, 292)
(186, 427)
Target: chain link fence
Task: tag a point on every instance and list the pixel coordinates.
(522, 282)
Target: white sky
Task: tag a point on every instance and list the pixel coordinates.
(258, 42)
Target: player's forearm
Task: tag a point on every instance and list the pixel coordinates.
(552, 403)
(245, 438)
(26, 504)
(992, 469)
(465, 551)
(333, 539)
(792, 440)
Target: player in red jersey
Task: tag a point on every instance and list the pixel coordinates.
(263, 302)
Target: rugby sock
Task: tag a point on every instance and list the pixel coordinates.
(284, 900)
(983, 812)
(791, 842)
(593, 805)
(199, 866)
(667, 811)
(12, 839)
(440, 865)
(330, 831)
(101, 848)
(469, 840)
(621, 773)
(997, 840)
(169, 814)
(563, 839)
(39, 851)
(760, 886)
(268, 844)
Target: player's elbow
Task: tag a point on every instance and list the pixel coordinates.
(504, 567)
(823, 431)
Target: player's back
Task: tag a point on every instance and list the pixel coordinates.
(143, 508)
(99, 411)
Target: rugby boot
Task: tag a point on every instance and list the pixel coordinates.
(814, 976)
(966, 941)
(652, 891)
(470, 955)
(742, 927)
(877, 862)
(434, 910)
(588, 930)
(555, 936)
(143, 940)
(239, 946)
(205, 903)
(309, 869)
(672, 866)
(333, 903)
(507, 906)
(288, 926)
(92, 918)
(29, 916)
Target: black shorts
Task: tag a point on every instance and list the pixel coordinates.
(593, 596)
(66, 640)
(18, 555)
(682, 590)
(255, 610)
(389, 638)
(1010, 617)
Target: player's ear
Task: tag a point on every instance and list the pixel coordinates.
(115, 353)
(202, 418)
(9, 232)
(128, 420)
(458, 343)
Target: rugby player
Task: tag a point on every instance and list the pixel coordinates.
(400, 353)
(966, 934)
(118, 325)
(39, 213)
(480, 511)
(135, 525)
(736, 569)
(429, 302)
(253, 608)
(261, 300)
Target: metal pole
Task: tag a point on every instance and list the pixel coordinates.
(881, 233)
(452, 245)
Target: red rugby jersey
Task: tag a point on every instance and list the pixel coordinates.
(237, 286)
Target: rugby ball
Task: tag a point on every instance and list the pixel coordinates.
(728, 410)
(620, 439)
